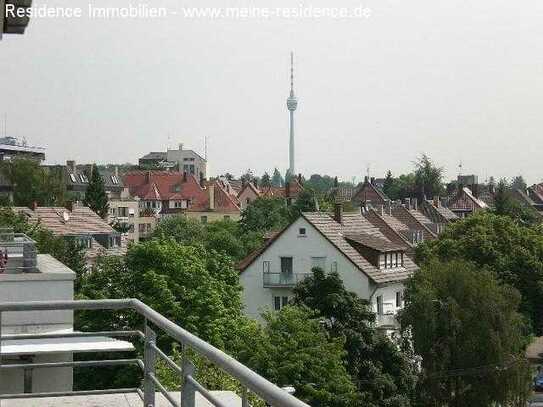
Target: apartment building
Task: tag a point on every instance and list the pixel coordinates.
(180, 159)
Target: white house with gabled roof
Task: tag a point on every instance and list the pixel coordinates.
(369, 264)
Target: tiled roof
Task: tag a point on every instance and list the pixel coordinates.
(251, 186)
(419, 216)
(333, 232)
(407, 217)
(389, 226)
(163, 185)
(374, 242)
(63, 222)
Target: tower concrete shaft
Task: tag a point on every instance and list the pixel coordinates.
(292, 104)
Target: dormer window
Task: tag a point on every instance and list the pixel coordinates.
(391, 260)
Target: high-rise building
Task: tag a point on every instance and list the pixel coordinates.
(292, 104)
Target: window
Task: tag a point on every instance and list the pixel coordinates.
(83, 178)
(286, 265)
(266, 265)
(248, 201)
(279, 302)
(302, 232)
(114, 179)
(381, 261)
(318, 262)
(203, 219)
(380, 305)
(72, 177)
(399, 299)
(333, 267)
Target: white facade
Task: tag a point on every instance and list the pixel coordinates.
(308, 250)
(53, 282)
(127, 213)
(188, 161)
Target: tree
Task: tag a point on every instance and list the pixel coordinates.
(266, 181)
(95, 196)
(511, 250)
(293, 349)
(265, 215)
(305, 202)
(388, 184)
(465, 326)
(428, 178)
(33, 184)
(383, 374)
(277, 180)
(518, 183)
(248, 176)
(506, 204)
(223, 236)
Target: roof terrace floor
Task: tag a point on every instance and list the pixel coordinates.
(117, 400)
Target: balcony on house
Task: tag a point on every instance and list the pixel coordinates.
(18, 253)
(283, 279)
(147, 390)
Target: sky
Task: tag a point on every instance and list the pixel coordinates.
(461, 81)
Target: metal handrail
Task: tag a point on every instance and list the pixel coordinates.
(268, 391)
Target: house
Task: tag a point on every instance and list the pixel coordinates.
(438, 214)
(125, 213)
(172, 193)
(369, 264)
(81, 224)
(179, 159)
(465, 203)
(77, 178)
(249, 192)
(368, 192)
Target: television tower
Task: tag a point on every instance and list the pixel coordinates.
(292, 104)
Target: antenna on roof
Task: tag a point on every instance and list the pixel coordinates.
(460, 168)
(205, 147)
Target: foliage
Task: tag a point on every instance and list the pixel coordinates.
(195, 288)
(265, 214)
(518, 183)
(266, 181)
(513, 251)
(95, 196)
(293, 349)
(33, 183)
(401, 187)
(465, 326)
(223, 236)
(277, 179)
(428, 178)
(383, 374)
(506, 204)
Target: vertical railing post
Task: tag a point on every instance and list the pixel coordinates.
(244, 397)
(188, 392)
(1, 333)
(149, 361)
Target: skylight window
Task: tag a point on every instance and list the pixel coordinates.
(72, 177)
(114, 179)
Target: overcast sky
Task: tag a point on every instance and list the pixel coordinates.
(459, 80)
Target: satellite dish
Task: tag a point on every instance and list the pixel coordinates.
(66, 216)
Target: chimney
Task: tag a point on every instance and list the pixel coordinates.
(475, 190)
(184, 176)
(70, 165)
(389, 207)
(287, 189)
(180, 146)
(147, 177)
(116, 171)
(437, 203)
(338, 212)
(34, 205)
(372, 180)
(70, 205)
(366, 179)
(300, 178)
(408, 203)
(415, 204)
(211, 189)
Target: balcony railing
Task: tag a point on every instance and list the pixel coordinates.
(283, 279)
(386, 321)
(251, 381)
